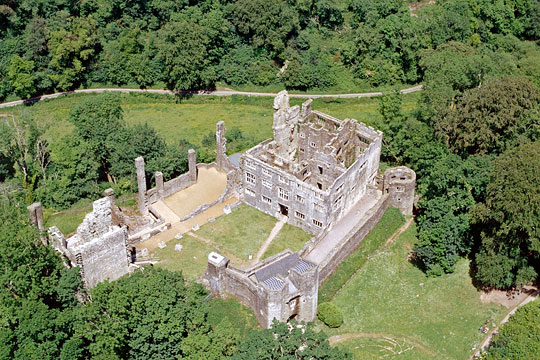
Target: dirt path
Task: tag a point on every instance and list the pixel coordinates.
(203, 93)
(399, 231)
(336, 339)
(485, 343)
(277, 228)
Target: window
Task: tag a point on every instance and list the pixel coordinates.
(319, 185)
(399, 189)
(339, 188)
(299, 199)
(266, 199)
(283, 180)
(320, 169)
(250, 178)
(250, 192)
(299, 215)
(301, 150)
(319, 208)
(317, 223)
(250, 164)
(338, 199)
(267, 183)
(318, 196)
(284, 194)
(312, 144)
(302, 135)
(266, 172)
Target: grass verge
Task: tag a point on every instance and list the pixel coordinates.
(290, 237)
(391, 299)
(389, 223)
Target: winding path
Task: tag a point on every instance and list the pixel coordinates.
(203, 93)
(336, 339)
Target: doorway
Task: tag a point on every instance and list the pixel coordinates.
(284, 210)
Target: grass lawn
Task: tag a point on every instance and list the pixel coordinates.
(290, 237)
(192, 260)
(389, 297)
(389, 223)
(241, 232)
(194, 117)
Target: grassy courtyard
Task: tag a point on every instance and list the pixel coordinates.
(235, 236)
(393, 310)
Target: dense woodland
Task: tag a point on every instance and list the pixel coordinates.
(474, 142)
(59, 45)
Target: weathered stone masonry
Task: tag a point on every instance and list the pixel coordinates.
(314, 171)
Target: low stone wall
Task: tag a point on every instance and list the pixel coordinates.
(170, 187)
(350, 243)
(227, 193)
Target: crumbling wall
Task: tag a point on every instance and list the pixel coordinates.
(163, 189)
(399, 184)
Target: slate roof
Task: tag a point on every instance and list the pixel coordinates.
(282, 267)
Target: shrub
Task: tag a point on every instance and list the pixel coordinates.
(330, 314)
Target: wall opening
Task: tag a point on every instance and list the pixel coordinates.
(283, 210)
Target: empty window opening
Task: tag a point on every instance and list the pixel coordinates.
(320, 169)
(250, 178)
(283, 210)
(319, 185)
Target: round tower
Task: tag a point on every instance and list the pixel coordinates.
(399, 183)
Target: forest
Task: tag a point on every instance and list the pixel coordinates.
(473, 139)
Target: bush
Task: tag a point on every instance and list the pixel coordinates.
(330, 314)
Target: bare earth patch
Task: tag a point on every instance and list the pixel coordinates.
(505, 298)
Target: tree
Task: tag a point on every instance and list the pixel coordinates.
(71, 52)
(507, 220)
(21, 77)
(518, 338)
(490, 118)
(182, 49)
(37, 293)
(97, 119)
(264, 24)
(449, 191)
(288, 341)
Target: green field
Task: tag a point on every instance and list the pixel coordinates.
(194, 117)
(290, 237)
(236, 236)
(192, 260)
(389, 223)
(390, 305)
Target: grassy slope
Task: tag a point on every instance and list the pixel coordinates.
(389, 223)
(390, 296)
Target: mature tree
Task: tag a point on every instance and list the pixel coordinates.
(151, 314)
(444, 220)
(288, 341)
(448, 71)
(71, 51)
(37, 292)
(508, 220)
(265, 24)
(97, 119)
(518, 338)
(72, 175)
(22, 77)
(490, 118)
(182, 49)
